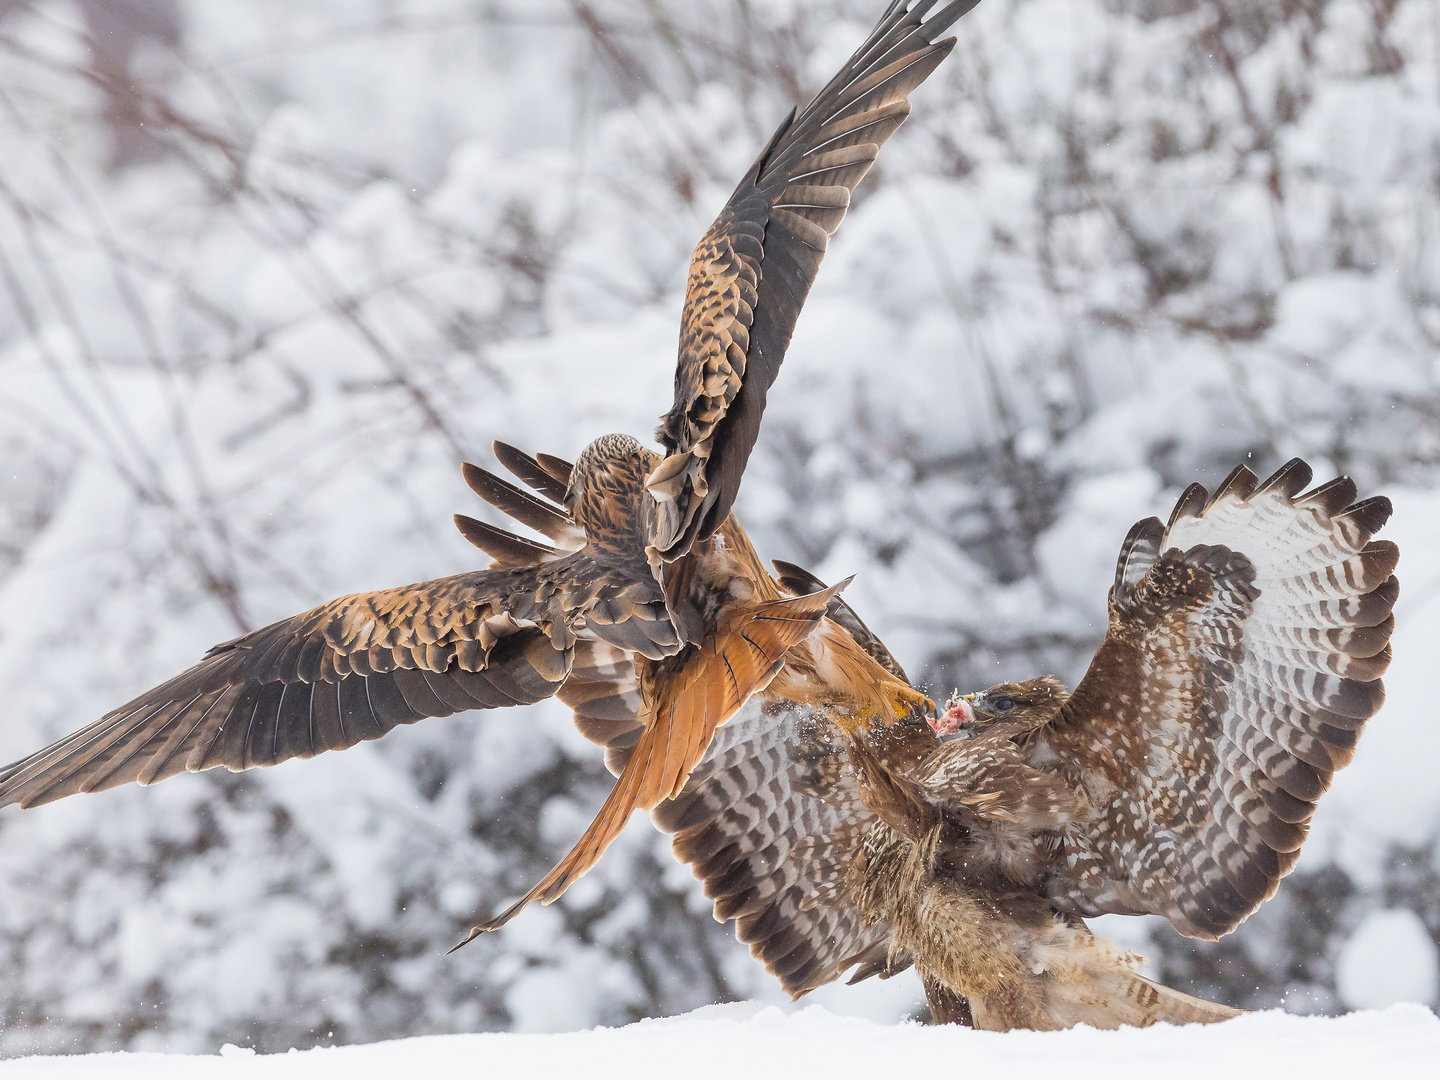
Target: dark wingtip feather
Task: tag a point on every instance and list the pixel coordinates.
(1290, 478)
(1386, 594)
(1240, 483)
(948, 16)
(1370, 514)
(505, 548)
(796, 579)
(474, 477)
(539, 514)
(756, 171)
(527, 469)
(1330, 497)
(1379, 559)
(558, 469)
(1354, 699)
(1142, 543)
(1191, 503)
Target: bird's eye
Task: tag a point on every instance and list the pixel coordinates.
(1004, 704)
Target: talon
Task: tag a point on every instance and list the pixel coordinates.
(908, 702)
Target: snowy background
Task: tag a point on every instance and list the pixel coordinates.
(269, 271)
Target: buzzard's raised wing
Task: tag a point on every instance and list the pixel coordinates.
(356, 667)
(1246, 643)
(753, 269)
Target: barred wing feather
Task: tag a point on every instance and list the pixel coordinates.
(769, 821)
(1246, 644)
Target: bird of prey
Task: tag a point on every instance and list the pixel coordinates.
(1246, 642)
(648, 602)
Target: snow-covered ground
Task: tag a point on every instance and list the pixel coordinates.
(723, 1041)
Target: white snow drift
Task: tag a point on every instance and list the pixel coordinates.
(720, 1041)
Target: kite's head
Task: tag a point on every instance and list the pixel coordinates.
(1019, 706)
(606, 496)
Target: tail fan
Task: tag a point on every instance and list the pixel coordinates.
(1118, 997)
(1069, 977)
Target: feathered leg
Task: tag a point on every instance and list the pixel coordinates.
(946, 1006)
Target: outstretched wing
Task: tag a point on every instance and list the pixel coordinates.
(356, 667)
(1246, 644)
(770, 822)
(753, 269)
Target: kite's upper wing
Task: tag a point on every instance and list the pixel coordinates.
(753, 269)
(1244, 655)
(356, 667)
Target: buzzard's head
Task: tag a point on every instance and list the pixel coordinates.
(1019, 706)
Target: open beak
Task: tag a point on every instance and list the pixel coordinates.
(958, 715)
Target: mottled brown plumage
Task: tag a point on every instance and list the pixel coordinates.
(1246, 643)
(1002, 949)
(645, 607)
(346, 672)
(754, 267)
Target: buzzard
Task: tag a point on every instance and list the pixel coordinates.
(1246, 642)
(648, 603)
